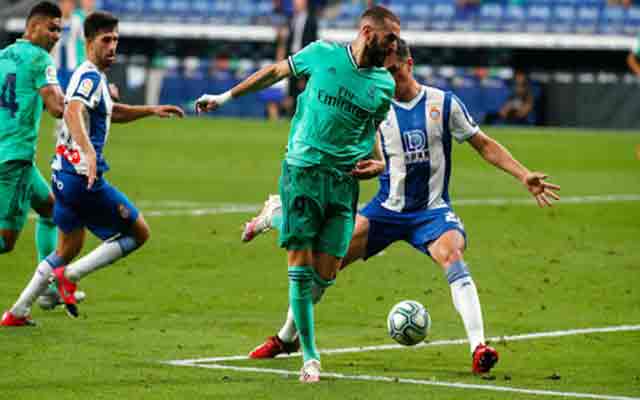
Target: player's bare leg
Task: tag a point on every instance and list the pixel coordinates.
(447, 251)
(359, 240)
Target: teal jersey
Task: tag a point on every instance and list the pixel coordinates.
(24, 69)
(339, 111)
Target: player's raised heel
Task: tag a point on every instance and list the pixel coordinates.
(274, 346)
(66, 290)
(484, 358)
(10, 320)
(310, 372)
(262, 222)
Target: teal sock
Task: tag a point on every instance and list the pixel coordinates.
(276, 221)
(46, 237)
(3, 246)
(300, 299)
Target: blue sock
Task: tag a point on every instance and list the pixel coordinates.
(127, 244)
(456, 271)
(300, 299)
(54, 260)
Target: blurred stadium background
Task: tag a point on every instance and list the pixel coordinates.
(568, 58)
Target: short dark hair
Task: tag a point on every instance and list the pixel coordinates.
(403, 51)
(97, 22)
(379, 14)
(45, 9)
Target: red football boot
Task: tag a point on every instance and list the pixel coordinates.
(484, 358)
(9, 319)
(274, 346)
(66, 290)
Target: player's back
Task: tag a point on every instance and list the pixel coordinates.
(338, 112)
(24, 69)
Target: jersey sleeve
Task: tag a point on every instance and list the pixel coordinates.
(45, 73)
(302, 62)
(461, 124)
(86, 89)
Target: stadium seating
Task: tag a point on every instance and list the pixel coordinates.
(534, 16)
(185, 80)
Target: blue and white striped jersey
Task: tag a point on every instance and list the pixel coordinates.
(416, 144)
(89, 86)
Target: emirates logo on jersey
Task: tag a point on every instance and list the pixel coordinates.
(73, 156)
(434, 113)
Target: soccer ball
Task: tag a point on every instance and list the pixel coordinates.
(408, 323)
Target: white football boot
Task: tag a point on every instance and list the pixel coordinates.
(262, 223)
(310, 372)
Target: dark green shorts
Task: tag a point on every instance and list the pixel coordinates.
(22, 187)
(318, 209)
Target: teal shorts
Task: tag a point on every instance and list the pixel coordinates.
(22, 187)
(318, 209)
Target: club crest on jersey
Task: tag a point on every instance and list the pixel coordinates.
(123, 211)
(434, 113)
(85, 87)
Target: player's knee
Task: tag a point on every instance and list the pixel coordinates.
(142, 233)
(143, 237)
(446, 256)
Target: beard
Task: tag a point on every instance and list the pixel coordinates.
(375, 53)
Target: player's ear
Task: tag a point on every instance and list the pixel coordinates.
(366, 30)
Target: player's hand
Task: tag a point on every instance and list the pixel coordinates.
(168, 111)
(541, 190)
(211, 102)
(91, 168)
(367, 169)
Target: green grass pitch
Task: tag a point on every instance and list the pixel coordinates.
(195, 291)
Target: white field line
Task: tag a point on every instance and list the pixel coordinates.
(366, 349)
(200, 209)
(211, 364)
(457, 385)
(178, 208)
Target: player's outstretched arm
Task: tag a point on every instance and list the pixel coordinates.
(74, 118)
(259, 80)
(123, 113)
(496, 154)
(53, 100)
